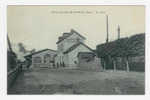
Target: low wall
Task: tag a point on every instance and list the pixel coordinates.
(93, 65)
(42, 65)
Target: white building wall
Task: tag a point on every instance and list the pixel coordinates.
(70, 41)
(66, 60)
(57, 59)
(72, 56)
(63, 46)
(41, 55)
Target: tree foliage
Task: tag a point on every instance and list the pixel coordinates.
(132, 46)
(22, 48)
(11, 60)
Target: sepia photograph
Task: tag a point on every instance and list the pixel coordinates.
(76, 49)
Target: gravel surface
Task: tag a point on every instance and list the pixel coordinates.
(60, 81)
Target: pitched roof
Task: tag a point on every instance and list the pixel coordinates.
(71, 32)
(75, 46)
(39, 52)
(86, 53)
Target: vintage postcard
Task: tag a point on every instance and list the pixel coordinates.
(76, 49)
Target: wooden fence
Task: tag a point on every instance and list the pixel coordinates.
(136, 63)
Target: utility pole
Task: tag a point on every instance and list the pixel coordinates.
(118, 32)
(107, 38)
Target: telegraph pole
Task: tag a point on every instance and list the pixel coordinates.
(107, 38)
(118, 32)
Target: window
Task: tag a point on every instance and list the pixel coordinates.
(37, 60)
(47, 58)
(62, 46)
(75, 62)
(71, 40)
(78, 40)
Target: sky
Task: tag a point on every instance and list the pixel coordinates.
(39, 27)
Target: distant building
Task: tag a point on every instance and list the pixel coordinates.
(69, 45)
(42, 59)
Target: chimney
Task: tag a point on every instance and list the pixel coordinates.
(118, 32)
(60, 38)
(72, 31)
(66, 34)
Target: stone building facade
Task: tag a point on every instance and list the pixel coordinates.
(69, 45)
(42, 59)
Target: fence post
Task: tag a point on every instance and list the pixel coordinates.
(114, 64)
(127, 64)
